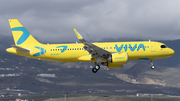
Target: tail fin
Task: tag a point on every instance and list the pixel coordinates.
(21, 36)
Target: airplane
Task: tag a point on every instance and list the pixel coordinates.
(109, 54)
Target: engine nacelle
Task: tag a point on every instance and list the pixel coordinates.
(118, 58)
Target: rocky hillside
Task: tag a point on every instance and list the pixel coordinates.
(140, 73)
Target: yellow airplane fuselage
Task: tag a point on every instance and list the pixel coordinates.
(74, 51)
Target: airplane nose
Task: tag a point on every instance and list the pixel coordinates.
(171, 52)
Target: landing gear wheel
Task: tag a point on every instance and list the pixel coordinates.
(97, 67)
(152, 67)
(94, 70)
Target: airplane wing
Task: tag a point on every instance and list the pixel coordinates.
(94, 50)
(21, 49)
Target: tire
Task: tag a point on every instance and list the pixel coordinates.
(94, 70)
(97, 67)
(152, 67)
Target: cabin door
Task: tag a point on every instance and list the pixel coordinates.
(153, 47)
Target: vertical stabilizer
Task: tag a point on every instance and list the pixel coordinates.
(21, 36)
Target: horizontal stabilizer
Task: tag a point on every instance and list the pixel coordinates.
(21, 49)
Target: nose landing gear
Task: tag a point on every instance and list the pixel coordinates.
(152, 64)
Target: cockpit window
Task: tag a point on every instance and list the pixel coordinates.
(163, 46)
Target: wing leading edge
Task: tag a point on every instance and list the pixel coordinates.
(94, 50)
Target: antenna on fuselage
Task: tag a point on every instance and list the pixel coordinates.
(76, 42)
(149, 40)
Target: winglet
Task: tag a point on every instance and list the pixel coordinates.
(77, 34)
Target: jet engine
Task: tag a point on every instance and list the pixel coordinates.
(118, 58)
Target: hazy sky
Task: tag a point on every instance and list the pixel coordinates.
(54, 20)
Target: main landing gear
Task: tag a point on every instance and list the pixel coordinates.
(96, 68)
(152, 64)
(96, 65)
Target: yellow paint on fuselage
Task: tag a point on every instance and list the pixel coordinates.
(152, 51)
